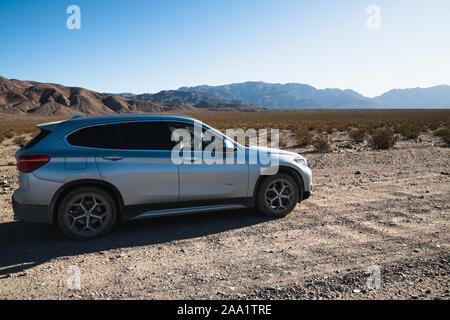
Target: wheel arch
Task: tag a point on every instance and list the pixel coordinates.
(289, 171)
(68, 187)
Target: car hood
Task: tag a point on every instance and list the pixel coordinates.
(275, 151)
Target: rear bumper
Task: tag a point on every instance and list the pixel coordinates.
(32, 213)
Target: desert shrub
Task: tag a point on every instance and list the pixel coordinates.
(322, 144)
(270, 140)
(9, 134)
(329, 129)
(411, 133)
(444, 133)
(283, 142)
(304, 137)
(432, 125)
(382, 138)
(408, 130)
(357, 134)
(19, 140)
(313, 120)
(345, 126)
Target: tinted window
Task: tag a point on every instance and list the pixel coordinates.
(180, 125)
(87, 137)
(41, 136)
(130, 135)
(189, 127)
(139, 136)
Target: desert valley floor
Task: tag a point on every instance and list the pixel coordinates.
(384, 208)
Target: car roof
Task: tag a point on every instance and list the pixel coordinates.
(81, 120)
(128, 116)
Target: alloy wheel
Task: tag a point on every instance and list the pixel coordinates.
(279, 195)
(87, 214)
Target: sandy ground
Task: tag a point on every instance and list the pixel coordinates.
(388, 209)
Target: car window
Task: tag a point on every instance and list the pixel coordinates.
(190, 128)
(181, 125)
(41, 136)
(137, 136)
(87, 137)
(126, 136)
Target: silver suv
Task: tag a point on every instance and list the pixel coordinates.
(87, 173)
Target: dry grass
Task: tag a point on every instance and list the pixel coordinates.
(325, 120)
(312, 126)
(20, 140)
(13, 128)
(309, 126)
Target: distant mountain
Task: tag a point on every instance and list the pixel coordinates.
(294, 95)
(48, 100)
(436, 97)
(123, 95)
(194, 99)
(291, 95)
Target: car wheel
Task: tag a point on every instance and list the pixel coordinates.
(277, 195)
(87, 213)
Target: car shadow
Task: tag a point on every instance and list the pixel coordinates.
(25, 245)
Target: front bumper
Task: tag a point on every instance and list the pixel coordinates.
(32, 213)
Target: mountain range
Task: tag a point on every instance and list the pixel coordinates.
(193, 98)
(33, 98)
(30, 98)
(296, 95)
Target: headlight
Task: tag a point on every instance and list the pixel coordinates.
(301, 161)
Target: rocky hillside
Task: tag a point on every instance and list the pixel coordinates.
(54, 100)
(190, 98)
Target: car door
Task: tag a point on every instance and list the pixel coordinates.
(136, 158)
(199, 180)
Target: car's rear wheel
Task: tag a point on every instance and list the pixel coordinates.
(86, 213)
(277, 195)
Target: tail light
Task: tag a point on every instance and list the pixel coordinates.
(27, 164)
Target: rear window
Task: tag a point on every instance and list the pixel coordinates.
(126, 136)
(41, 136)
(87, 137)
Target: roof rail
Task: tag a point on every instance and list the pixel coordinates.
(77, 116)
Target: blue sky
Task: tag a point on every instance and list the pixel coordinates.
(148, 46)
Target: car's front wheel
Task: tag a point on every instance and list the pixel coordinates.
(277, 195)
(86, 213)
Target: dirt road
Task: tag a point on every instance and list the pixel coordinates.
(388, 209)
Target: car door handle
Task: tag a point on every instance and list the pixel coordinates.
(113, 158)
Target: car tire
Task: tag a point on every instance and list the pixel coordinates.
(277, 195)
(86, 213)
